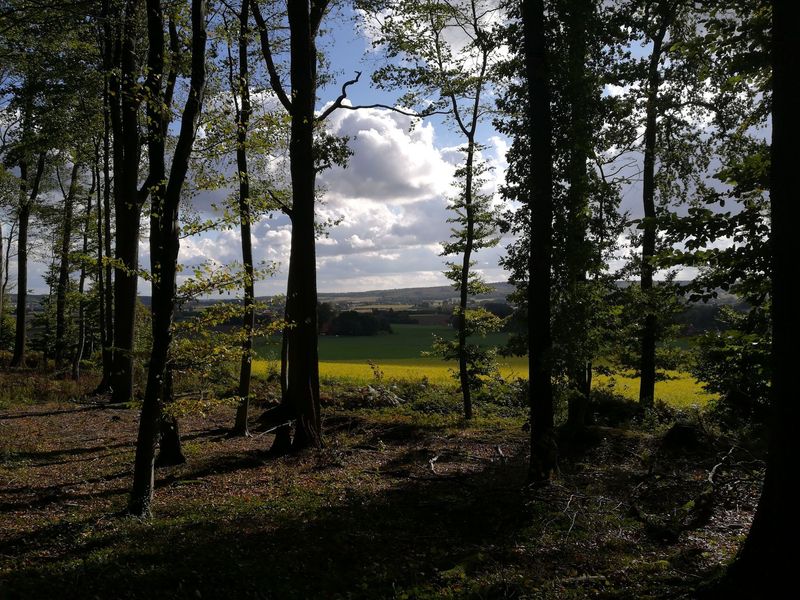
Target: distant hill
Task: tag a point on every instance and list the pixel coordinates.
(416, 295)
(698, 317)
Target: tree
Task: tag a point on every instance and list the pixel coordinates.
(164, 231)
(64, 262)
(540, 207)
(586, 192)
(124, 98)
(456, 75)
(763, 567)
(647, 366)
(243, 111)
(300, 364)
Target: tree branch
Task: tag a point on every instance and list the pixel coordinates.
(338, 102)
(274, 80)
(419, 115)
(283, 206)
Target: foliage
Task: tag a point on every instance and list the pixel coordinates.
(735, 363)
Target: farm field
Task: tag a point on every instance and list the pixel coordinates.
(399, 356)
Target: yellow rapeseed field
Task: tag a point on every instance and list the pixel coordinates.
(680, 389)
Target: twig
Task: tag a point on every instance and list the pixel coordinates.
(431, 463)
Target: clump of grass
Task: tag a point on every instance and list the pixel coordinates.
(18, 389)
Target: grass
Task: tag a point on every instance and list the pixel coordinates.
(407, 342)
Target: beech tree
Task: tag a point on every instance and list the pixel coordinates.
(300, 364)
(124, 99)
(165, 204)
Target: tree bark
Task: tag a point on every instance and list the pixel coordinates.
(77, 356)
(463, 374)
(577, 252)
(164, 236)
(245, 216)
(2, 287)
(543, 443)
(64, 268)
(127, 204)
(24, 215)
(7, 258)
(765, 565)
(104, 281)
(302, 352)
(647, 365)
(301, 366)
(170, 451)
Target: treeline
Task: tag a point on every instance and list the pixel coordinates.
(102, 102)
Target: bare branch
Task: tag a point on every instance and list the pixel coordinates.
(419, 115)
(338, 102)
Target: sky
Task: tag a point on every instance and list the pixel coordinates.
(391, 199)
(390, 202)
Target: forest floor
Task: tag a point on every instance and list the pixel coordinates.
(399, 504)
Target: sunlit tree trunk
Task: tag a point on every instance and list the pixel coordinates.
(64, 267)
(245, 217)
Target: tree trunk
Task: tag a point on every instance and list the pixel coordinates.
(2, 285)
(463, 374)
(26, 202)
(543, 443)
(302, 352)
(647, 366)
(164, 237)
(7, 262)
(243, 120)
(127, 205)
(577, 253)
(170, 452)
(104, 284)
(63, 269)
(77, 357)
(765, 565)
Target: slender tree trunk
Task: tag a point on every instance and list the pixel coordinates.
(647, 366)
(245, 216)
(104, 284)
(543, 443)
(6, 260)
(283, 435)
(77, 357)
(164, 237)
(463, 373)
(765, 565)
(578, 252)
(20, 335)
(63, 269)
(26, 202)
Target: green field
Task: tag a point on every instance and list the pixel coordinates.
(399, 356)
(406, 343)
